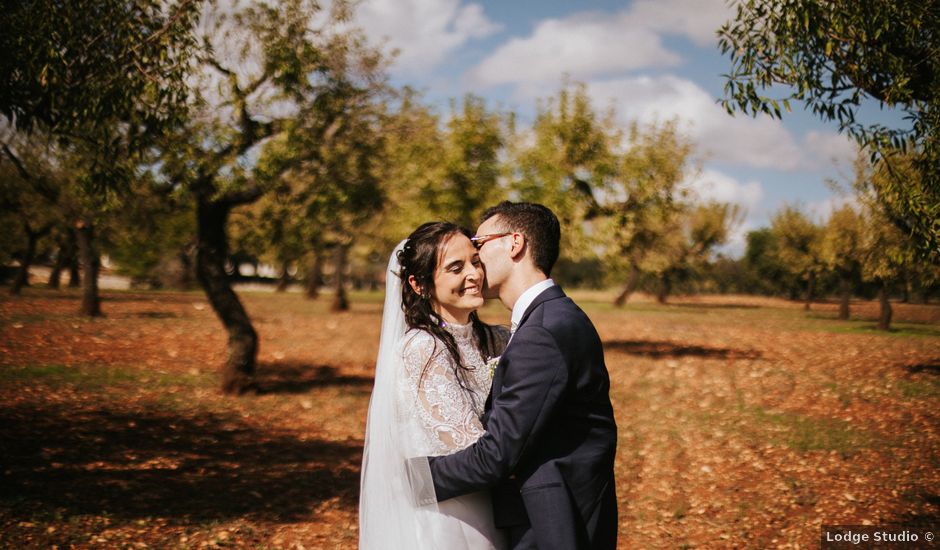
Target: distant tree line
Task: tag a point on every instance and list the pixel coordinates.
(856, 252)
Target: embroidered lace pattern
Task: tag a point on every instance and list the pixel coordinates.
(447, 416)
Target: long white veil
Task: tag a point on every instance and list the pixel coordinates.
(388, 515)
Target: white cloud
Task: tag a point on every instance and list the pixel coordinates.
(591, 44)
(756, 142)
(424, 31)
(581, 46)
(713, 185)
(698, 20)
(736, 244)
(821, 210)
(830, 149)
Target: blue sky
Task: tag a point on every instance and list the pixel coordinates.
(653, 59)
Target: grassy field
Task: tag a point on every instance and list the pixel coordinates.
(744, 422)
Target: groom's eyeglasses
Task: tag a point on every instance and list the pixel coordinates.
(479, 240)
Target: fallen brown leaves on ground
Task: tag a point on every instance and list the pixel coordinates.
(744, 422)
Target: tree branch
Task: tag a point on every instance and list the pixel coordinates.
(242, 196)
(39, 184)
(166, 27)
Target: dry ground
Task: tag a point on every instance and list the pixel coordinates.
(744, 422)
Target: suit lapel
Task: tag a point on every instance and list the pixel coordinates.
(549, 293)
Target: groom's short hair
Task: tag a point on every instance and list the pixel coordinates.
(539, 225)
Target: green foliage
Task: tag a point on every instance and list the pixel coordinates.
(151, 236)
(770, 274)
(566, 162)
(884, 250)
(325, 174)
(22, 209)
(798, 242)
(473, 141)
(40, 188)
(415, 149)
(833, 56)
(73, 64)
(647, 194)
(684, 250)
(842, 246)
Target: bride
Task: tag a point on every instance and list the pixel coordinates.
(432, 379)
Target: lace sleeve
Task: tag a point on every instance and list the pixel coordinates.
(442, 408)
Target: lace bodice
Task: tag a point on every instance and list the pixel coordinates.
(447, 416)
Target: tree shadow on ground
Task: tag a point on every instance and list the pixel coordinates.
(666, 349)
(929, 367)
(151, 315)
(716, 306)
(926, 513)
(180, 297)
(75, 295)
(300, 377)
(131, 465)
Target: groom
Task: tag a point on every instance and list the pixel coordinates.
(548, 452)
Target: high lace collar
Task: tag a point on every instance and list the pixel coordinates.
(460, 332)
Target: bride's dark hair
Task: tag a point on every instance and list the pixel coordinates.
(419, 258)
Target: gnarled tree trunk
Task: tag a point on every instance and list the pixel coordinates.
(622, 298)
(32, 237)
(884, 317)
(91, 301)
(211, 253)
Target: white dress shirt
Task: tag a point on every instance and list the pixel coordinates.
(525, 300)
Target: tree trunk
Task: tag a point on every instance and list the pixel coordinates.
(22, 276)
(665, 286)
(794, 292)
(314, 275)
(810, 290)
(846, 285)
(340, 300)
(91, 301)
(211, 251)
(284, 280)
(65, 259)
(622, 298)
(55, 276)
(75, 274)
(184, 279)
(884, 318)
(906, 288)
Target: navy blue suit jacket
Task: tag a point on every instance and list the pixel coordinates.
(548, 451)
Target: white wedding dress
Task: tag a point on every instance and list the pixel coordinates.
(416, 411)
